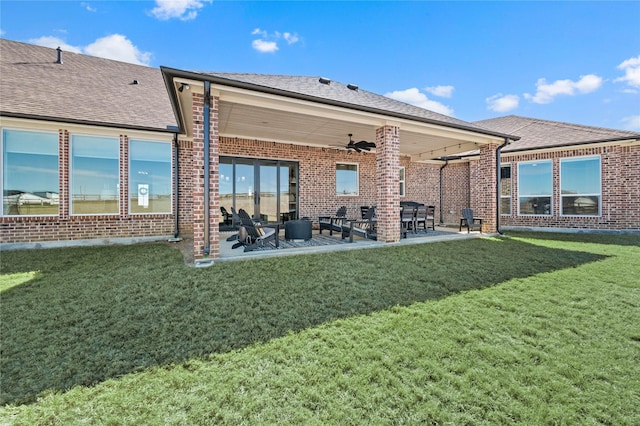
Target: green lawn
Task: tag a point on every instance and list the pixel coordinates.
(531, 329)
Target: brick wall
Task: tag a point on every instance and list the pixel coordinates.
(620, 189)
(65, 227)
(456, 193)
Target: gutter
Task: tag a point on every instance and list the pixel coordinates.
(498, 181)
(207, 213)
(170, 73)
(176, 187)
(83, 122)
(442, 191)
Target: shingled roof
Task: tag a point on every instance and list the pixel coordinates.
(539, 134)
(348, 94)
(83, 89)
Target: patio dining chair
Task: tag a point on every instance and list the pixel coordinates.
(469, 221)
(333, 223)
(408, 220)
(425, 217)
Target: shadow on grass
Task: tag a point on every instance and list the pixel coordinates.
(96, 313)
(621, 239)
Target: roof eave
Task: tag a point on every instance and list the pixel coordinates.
(170, 73)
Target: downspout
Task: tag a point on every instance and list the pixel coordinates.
(176, 188)
(442, 191)
(498, 180)
(207, 101)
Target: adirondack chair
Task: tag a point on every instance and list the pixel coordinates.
(333, 223)
(365, 228)
(469, 221)
(257, 235)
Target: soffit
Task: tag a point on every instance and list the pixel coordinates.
(262, 116)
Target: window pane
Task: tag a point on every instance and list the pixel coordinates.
(149, 177)
(30, 173)
(346, 179)
(580, 176)
(580, 184)
(402, 186)
(505, 180)
(535, 205)
(94, 175)
(535, 178)
(505, 205)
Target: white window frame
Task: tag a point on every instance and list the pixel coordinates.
(171, 176)
(72, 177)
(599, 194)
(510, 196)
(403, 179)
(357, 179)
(2, 169)
(520, 195)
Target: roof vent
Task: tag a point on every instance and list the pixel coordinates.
(324, 80)
(352, 87)
(59, 60)
(135, 82)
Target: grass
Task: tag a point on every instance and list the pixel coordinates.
(533, 329)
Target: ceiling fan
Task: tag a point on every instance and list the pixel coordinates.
(359, 146)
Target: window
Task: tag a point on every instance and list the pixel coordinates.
(505, 189)
(149, 177)
(402, 185)
(580, 186)
(535, 188)
(29, 173)
(346, 179)
(94, 175)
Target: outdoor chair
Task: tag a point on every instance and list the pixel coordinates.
(333, 223)
(365, 228)
(226, 216)
(425, 217)
(469, 221)
(363, 211)
(408, 219)
(257, 235)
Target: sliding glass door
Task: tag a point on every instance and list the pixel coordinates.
(266, 189)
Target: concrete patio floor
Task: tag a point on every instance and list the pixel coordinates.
(441, 233)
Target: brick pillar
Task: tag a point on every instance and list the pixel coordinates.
(198, 178)
(388, 183)
(214, 179)
(197, 152)
(483, 187)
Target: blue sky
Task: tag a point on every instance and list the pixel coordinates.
(570, 61)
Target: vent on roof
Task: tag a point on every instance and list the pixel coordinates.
(135, 82)
(59, 60)
(324, 80)
(352, 87)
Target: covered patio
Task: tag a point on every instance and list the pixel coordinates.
(306, 121)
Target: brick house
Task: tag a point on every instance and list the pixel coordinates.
(95, 149)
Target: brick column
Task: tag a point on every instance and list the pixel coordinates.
(483, 188)
(388, 183)
(198, 175)
(214, 181)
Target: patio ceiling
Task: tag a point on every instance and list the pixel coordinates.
(264, 116)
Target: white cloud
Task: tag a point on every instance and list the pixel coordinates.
(268, 43)
(631, 68)
(54, 43)
(290, 38)
(632, 122)
(548, 91)
(184, 10)
(502, 103)
(115, 46)
(119, 48)
(413, 96)
(264, 46)
(441, 91)
(88, 7)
